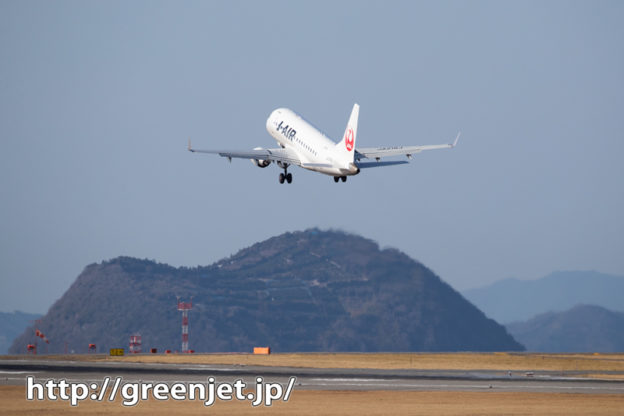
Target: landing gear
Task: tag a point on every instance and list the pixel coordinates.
(285, 177)
(344, 178)
(338, 178)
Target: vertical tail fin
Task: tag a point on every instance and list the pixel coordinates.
(345, 150)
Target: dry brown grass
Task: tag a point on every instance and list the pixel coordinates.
(597, 363)
(13, 402)
(306, 402)
(424, 361)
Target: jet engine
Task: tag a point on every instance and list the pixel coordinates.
(259, 162)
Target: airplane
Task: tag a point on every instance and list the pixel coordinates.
(302, 144)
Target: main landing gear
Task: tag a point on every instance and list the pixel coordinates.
(285, 177)
(337, 178)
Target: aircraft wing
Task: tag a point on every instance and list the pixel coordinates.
(274, 155)
(379, 152)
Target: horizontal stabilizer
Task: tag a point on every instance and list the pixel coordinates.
(316, 165)
(365, 165)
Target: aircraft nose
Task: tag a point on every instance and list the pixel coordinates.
(270, 120)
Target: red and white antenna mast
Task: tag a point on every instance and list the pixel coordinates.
(185, 307)
(135, 344)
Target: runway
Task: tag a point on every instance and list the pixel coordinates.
(14, 372)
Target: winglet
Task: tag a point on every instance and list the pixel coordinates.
(456, 139)
(190, 149)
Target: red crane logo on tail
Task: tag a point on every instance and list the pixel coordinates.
(349, 139)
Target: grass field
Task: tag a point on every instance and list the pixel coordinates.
(306, 402)
(12, 402)
(457, 361)
(599, 364)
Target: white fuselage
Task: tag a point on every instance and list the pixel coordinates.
(316, 151)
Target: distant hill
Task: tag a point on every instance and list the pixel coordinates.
(13, 324)
(302, 291)
(584, 328)
(518, 300)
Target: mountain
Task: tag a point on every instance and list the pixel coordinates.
(302, 291)
(11, 325)
(584, 328)
(518, 300)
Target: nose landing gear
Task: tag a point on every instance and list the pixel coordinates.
(338, 178)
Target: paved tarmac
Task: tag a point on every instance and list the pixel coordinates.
(15, 371)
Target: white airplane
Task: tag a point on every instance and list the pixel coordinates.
(303, 145)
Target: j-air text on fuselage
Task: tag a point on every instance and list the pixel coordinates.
(303, 145)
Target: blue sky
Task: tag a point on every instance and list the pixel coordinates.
(98, 100)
